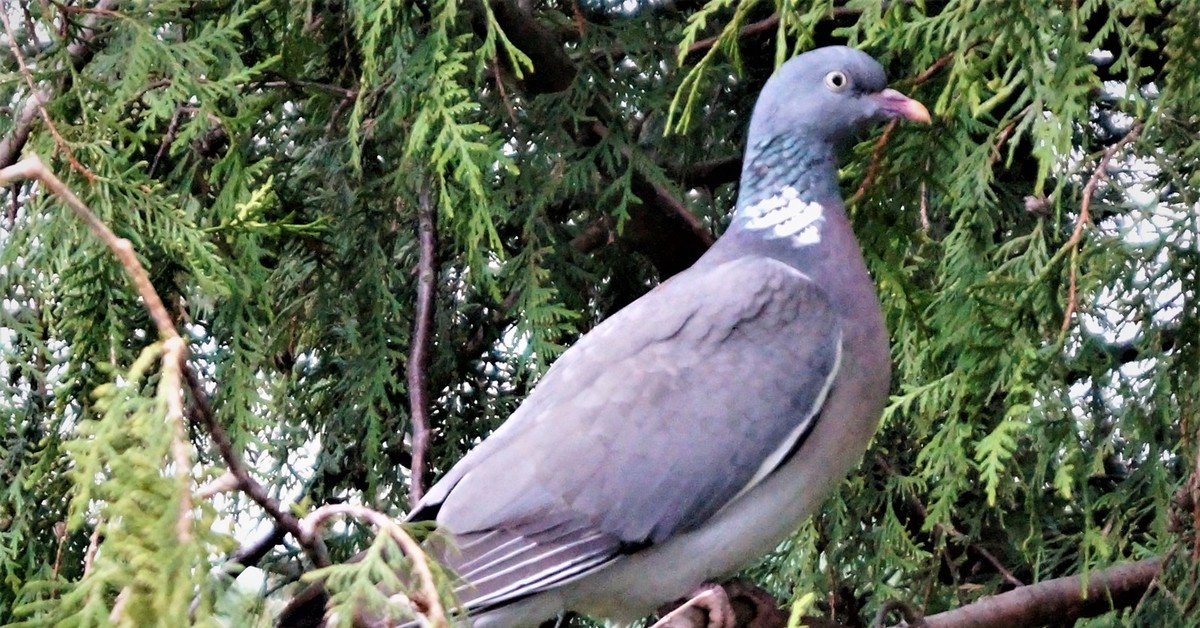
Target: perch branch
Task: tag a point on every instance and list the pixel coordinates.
(1057, 601)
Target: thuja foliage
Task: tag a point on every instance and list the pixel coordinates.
(1035, 251)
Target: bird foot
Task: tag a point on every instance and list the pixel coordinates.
(707, 607)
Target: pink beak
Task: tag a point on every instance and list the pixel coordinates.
(898, 105)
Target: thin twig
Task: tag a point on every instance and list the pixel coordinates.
(418, 357)
(745, 31)
(36, 97)
(952, 532)
(936, 66)
(924, 213)
(118, 609)
(167, 140)
(1099, 174)
(873, 166)
(89, 557)
(233, 462)
(432, 606)
(223, 483)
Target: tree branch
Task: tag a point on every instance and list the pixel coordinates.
(1058, 601)
(251, 487)
(418, 357)
(1089, 190)
(79, 53)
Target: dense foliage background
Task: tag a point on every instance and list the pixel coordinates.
(272, 164)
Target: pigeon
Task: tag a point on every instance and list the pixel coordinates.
(696, 428)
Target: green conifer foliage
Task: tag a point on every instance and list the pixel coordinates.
(1036, 251)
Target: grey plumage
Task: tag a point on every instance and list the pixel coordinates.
(697, 427)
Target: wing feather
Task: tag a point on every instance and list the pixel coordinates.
(657, 419)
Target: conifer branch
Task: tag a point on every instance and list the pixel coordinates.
(422, 337)
(429, 603)
(37, 102)
(79, 52)
(174, 350)
(1099, 174)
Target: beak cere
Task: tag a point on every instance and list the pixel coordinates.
(897, 105)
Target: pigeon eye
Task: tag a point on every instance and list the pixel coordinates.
(836, 81)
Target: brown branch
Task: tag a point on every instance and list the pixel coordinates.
(252, 488)
(748, 30)
(1058, 601)
(418, 357)
(936, 66)
(1099, 174)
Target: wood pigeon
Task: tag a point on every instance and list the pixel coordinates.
(696, 428)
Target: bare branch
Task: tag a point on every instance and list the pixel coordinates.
(1058, 601)
(233, 462)
(748, 30)
(418, 357)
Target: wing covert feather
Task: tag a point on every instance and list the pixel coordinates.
(680, 398)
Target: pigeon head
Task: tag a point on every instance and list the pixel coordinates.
(829, 95)
(809, 111)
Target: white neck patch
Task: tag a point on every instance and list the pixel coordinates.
(784, 215)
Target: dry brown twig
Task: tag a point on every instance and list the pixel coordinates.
(310, 527)
(1099, 174)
